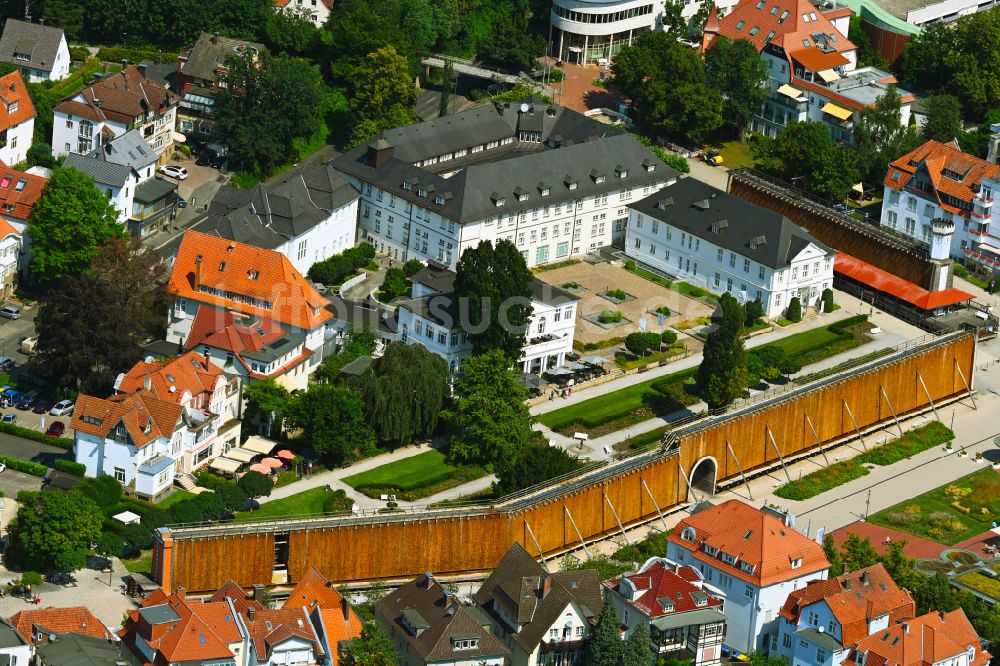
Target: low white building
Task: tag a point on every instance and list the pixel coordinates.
(750, 559)
(823, 620)
(139, 439)
(111, 106)
(544, 618)
(39, 51)
(433, 317)
(310, 215)
(316, 11)
(710, 238)
(550, 180)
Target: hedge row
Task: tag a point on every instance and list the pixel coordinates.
(27, 433)
(119, 53)
(70, 467)
(26, 466)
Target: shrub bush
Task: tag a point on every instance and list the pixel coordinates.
(668, 337)
(617, 293)
(104, 490)
(137, 535)
(664, 310)
(78, 53)
(27, 433)
(412, 267)
(231, 496)
(828, 300)
(610, 316)
(337, 502)
(185, 511)
(629, 265)
(640, 343)
(111, 543)
(31, 578)
(118, 53)
(210, 480)
(339, 267)
(822, 480)
(794, 310)
(394, 284)
(70, 467)
(26, 466)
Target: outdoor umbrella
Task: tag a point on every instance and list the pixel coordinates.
(285, 454)
(578, 366)
(595, 360)
(530, 381)
(261, 468)
(561, 370)
(272, 463)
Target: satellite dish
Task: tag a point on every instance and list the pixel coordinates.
(524, 107)
(52, 638)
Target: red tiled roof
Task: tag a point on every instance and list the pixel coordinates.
(12, 89)
(854, 599)
(144, 416)
(269, 628)
(19, 202)
(76, 619)
(230, 268)
(816, 60)
(789, 32)
(659, 583)
(888, 283)
(241, 602)
(314, 588)
(921, 641)
(753, 537)
(121, 97)
(190, 373)
(936, 157)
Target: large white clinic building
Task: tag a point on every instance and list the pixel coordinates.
(550, 180)
(710, 238)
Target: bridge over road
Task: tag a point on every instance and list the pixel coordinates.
(469, 68)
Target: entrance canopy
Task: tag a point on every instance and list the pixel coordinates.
(227, 465)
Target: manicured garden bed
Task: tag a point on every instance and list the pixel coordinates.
(418, 476)
(308, 502)
(812, 484)
(936, 514)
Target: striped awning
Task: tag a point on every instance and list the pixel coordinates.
(259, 445)
(241, 455)
(226, 465)
(828, 75)
(838, 111)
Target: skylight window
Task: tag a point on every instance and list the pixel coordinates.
(739, 26)
(784, 15)
(805, 43)
(21, 184)
(812, 16)
(5, 182)
(805, 18)
(774, 10)
(760, 5)
(754, 30)
(770, 36)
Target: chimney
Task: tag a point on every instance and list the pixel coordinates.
(124, 63)
(379, 152)
(215, 38)
(258, 593)
(181, 592)
(847, 583)
(250, 613)
(147, 382)
(546, 585)
(197, 273)
(142, 70)
(208, 360)
(345, 608)
(864, 578)
(906, 627)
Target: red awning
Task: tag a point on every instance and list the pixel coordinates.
(887, 283)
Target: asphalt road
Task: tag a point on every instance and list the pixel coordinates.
(12, 331)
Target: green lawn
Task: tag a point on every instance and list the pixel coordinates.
(415, 477)
(141, 564)
(175, 497)
(983, 583)
(736, 154)
(821, 480)
(644, 400)
(307, 502)
(627, 361)
(951, 513)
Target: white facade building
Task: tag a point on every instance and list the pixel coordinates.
(309, 216)
(752, 560)
(316, 11)
(715, 240)
(943, 197)
(111, 106)
(17, 119)
(432, 317)
(39, 51)
(550, 180)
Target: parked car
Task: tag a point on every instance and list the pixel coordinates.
(62, 408)
(6, 363)
(2, 467)
(28, 344)
(27, 401)
(10, 312)
(218, 161)
(10, 395)
(41, 407)
(181, 202)
(174, 171)
(56, 429)
(10, 417)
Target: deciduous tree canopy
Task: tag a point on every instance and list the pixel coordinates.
(332, 421)
(54, 530)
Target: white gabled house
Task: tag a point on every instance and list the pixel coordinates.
(39, 51)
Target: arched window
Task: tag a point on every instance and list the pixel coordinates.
(541, 325)
(688, 534)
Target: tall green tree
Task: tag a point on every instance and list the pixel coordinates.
(530, 465)
(54, 530)
(858, 553)
(92, 326)
(254, 484)
(666, 82)
(71, 220)
(806, 152)
(382, 91)
(491, 420)
(735, 69)
(493, 287)
(447, 83)
(638, 648)
(881, 136)
(272, 109)
(944, 118)
(833, 556)
(511, 43)
(722, 375)
(373, 648)
(605, 647)
(267, 402)
(359, 343)
(332, 421)
(403, 393)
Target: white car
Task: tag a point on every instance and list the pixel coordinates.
(2, 467)
(62, 408)
(174, 171)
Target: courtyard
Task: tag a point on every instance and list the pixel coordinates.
(591, 283)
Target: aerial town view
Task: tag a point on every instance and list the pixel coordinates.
(521, 333)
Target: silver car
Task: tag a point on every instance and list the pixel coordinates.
(10, 312)
(62, 408)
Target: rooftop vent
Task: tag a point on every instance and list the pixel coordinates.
(701, 205)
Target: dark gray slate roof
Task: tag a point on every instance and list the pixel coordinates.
(9, 637)
(268, 215)
(153, 189)
(74, 649)
(40, 42)
(694, 207)
(517, 585)
(112, 163)
(572, 149)
(439, 619)
(212, 51)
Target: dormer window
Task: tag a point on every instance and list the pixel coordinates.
(544, 189)
(796, 563)
(408, 186)
(421, 192)
(621, 171)
(711, 551)
(12, 107)
(465, 643)
(719, 226)
(664, 204)
(756, 242)
(728, 559)
(521, 193)
(688, 534)
(439, 200)
(252, 274)
(746, 567)
(649, 165)
(597, 176)
(498, 199)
